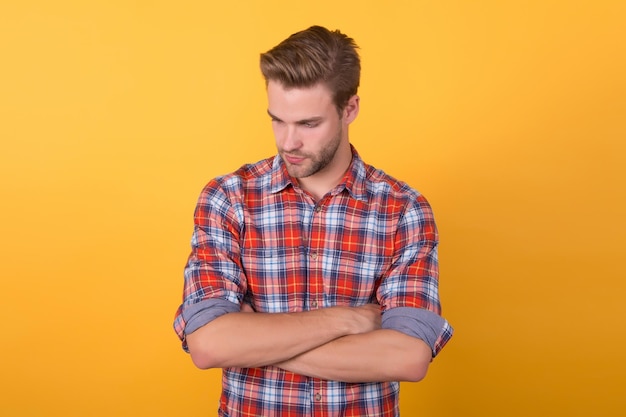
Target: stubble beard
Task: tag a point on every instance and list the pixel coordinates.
(316, 163)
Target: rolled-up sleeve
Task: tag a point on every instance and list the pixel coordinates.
(409, 291)
(422, 324)
(214, 282)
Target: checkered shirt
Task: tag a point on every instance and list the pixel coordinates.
(259, 238)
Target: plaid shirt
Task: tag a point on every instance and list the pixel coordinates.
(260, 239)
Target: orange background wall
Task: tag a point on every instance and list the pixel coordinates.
(509, 116)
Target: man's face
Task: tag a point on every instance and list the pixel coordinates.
(307, 128)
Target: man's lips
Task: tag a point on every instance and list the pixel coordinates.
(293, 159)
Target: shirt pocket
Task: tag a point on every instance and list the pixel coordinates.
(276, 278)
(353, 278)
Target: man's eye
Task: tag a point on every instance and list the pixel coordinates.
(311, 124)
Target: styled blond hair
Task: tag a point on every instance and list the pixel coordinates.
(312, 56)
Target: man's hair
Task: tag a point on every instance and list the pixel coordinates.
(312, 56)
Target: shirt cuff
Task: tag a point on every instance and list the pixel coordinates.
(203, 312)
(420, 323)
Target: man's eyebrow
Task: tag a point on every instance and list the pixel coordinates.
(273, 117)
(310, 120)
(303, 121)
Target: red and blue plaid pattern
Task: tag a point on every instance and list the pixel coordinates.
(259, 238)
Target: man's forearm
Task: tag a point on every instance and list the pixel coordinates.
(381, 355)
(257, 339)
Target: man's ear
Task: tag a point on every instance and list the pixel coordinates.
(351, 110)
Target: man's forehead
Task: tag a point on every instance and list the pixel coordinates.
(298, 103)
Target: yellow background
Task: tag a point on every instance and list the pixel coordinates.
(509, 116)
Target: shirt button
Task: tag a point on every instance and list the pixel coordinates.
(314, 304)
(318, 209)
(318, 397)
(314, 255)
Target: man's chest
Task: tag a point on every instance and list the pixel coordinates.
(299, 258)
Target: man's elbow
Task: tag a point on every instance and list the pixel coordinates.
(202, 356)
(201, 360)
(415, 372)
(416, 361)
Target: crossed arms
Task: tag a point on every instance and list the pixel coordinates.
(336, 343)
(339, 343)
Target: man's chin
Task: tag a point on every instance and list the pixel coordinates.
(298, 171)
(298, 174)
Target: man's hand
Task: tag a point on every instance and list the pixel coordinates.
(367, 318)
(246, 308)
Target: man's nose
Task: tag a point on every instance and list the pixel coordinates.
(291, 140)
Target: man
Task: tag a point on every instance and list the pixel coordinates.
(313, 277)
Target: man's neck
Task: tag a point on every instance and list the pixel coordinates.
(319, 184)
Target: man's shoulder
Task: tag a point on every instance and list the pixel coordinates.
(378, 181)
(246, 173)
(394, 195)
(233, 185)
(254, 171)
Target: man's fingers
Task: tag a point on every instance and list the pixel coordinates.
(246, 308)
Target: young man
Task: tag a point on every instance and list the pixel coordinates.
(313, 277)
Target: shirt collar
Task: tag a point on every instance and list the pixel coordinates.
(280, 178)
(353, 181)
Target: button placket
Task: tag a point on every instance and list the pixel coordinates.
(315, 251)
